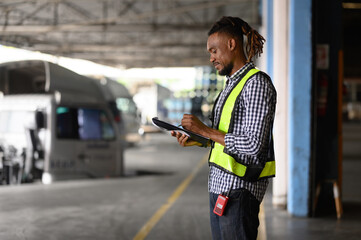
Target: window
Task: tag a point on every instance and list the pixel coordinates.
(126, 105)
(83, 123)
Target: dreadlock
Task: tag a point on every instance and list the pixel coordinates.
(236, 27)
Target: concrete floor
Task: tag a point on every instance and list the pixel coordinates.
(113, 209)
(280, 225)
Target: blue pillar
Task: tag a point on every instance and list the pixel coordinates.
(300, 79)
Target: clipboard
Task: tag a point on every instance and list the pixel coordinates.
(170, 127)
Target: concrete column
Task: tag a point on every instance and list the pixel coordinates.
(300, 82)
(280, 79)
(263, 63)
(268, 23)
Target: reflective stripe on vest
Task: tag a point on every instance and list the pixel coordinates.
(219, 158)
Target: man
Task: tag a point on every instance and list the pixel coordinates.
(241, 159)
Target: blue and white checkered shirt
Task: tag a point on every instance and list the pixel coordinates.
(249, 138)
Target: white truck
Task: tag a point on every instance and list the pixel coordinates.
(119, 99)
(59, 121)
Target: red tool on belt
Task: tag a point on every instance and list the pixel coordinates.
(221, 203)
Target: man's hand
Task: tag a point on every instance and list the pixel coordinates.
(183, 139)
(192, 123)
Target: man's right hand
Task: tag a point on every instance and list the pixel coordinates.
(184, 140)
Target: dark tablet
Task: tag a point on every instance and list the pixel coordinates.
(170, 127)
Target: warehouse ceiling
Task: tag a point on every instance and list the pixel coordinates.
(129, 33)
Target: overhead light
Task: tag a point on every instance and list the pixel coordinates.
(351, 5)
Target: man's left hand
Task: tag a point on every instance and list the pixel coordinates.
(192, 123)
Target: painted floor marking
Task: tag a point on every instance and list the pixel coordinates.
(148, 226)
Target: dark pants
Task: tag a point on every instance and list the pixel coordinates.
(240, 219)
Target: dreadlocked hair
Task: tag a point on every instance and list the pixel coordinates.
(236, 27)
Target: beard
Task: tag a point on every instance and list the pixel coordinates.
(226, 71)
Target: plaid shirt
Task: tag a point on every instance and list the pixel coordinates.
(249, 139)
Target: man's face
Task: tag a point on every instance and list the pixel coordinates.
(217, 46)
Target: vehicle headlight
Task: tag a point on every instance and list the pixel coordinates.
(141, 131)
(46, 178)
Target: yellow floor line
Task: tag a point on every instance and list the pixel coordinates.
(144, 231)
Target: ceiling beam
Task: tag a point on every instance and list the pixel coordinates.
(140, 61)
(33, 13)
(79, 10)
(172, 11)
(38, 29)
(73, 47)
(165, 55)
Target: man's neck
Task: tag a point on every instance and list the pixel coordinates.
(238, 64)
(238, 70)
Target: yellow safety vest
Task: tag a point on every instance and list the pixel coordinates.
(222, 160)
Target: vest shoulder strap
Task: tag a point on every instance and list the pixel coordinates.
(227, 109)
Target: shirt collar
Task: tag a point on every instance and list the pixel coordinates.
(239, 72)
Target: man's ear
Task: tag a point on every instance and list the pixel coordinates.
(232, 44)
